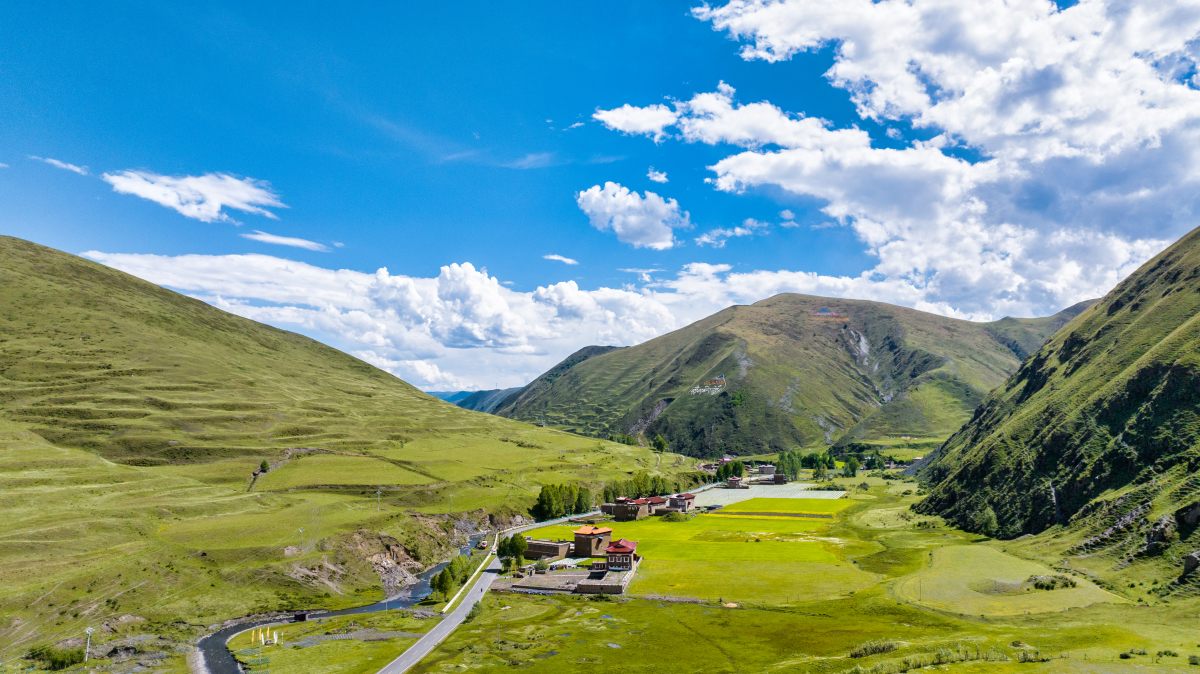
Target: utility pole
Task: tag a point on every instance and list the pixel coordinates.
(301, 540)
(378, 495)
(452, 505)
(89, 645)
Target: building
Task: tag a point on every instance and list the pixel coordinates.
(657, 505)
(591, 541)
(780, 478)
(539, 548)
(622, 556)
(735, 483)
(766, 470)
(627, 510)
(682, 502)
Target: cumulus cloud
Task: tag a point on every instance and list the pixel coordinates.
(81, 170)
(288, 241)
(1085, 122)
(716, 238)
(641, 221)
(657, 176)
(560, 258)
(649, 121)
(199, 197)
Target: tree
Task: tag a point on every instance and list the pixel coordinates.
(443, 582)
(264, 466)
(850, 468)
(583, 500)
(659, 443)
(985, 521)
(518, 546)
(737, 469)
(820, 471)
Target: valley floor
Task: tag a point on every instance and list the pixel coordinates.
(764, 590)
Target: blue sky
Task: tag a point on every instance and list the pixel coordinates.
(1001, 172)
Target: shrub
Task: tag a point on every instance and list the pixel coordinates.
(676, 517)
(1194, 659)
(474, 612)
(56, 658)
(872, 648)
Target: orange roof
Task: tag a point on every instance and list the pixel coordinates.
(589, 530)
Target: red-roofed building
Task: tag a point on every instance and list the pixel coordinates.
(682, 502)
(622, 555)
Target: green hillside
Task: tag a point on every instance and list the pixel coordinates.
(794, 376)
(1098, 432)
(485, 401)
(134, 424)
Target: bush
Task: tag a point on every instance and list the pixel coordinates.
(474, 612)
(1194, 659)
(872, 648)
(676, 517)
(56, 658)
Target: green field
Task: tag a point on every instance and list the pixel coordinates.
(979, 580)
(346, 470)
(334, 656)
(788, 505)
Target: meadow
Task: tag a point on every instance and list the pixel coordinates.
(301, 649)
(930, 590)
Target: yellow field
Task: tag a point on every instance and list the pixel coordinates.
(974, 580)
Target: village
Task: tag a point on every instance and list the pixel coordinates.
(591, 562)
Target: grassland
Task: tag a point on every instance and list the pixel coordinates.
(757, 616)
(300, 652)
(788, 505)
(132, 423)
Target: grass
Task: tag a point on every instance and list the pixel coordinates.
(341, 656)
(346, 470)
(979, 580)
(788, 505)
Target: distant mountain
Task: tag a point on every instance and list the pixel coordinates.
(485, 401)
(450, 396)
(1099, 429)
(792, 370)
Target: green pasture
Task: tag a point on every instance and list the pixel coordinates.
(741, 578)
(340, 656)
(340, 470)
(788, 505)
(980, 580)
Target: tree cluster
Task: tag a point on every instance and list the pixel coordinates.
(455, 574)
(512, 550)
(623, 439)
(731, 469)
(560, 500)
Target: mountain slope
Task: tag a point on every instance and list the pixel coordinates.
(799, 370)
(1099, 430)
(485, 401)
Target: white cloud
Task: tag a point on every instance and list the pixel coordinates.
(199, 197)
(1086, 122)
(576, 125)
(560, 258)
(650, 120)
(288, 241)
(532, 161)
(657, 176)
(81, 170)
(643, 222)
(717, 237)
(787, 215)
(3, 165)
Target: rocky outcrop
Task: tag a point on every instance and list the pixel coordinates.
(1191, 562)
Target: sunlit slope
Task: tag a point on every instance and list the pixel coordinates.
(93, 358)
(869, 371)
(1099, 429)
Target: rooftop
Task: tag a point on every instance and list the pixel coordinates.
(589, 530)
(622, 546)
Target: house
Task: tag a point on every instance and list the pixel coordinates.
(682, 502)
(766, 470)
(590, 541)
(657, 505)
(626, 510)
(538, 548)
(780, 478)
(735, 483)
(620, 556)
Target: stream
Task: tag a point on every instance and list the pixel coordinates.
(218, 660)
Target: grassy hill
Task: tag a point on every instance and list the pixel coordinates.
(794, 375)
(134, 423)
(1098, 432)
